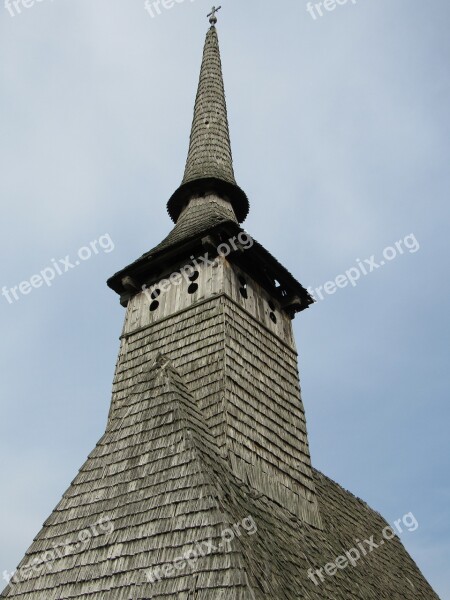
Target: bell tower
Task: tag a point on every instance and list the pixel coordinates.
(202, 487)
(219, 306)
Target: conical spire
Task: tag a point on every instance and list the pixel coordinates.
(209, 165)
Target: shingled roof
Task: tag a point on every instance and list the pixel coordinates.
(205, 217)
(158, 478)
(209, 164)
(202, 487)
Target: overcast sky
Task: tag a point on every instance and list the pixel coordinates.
(340, 134)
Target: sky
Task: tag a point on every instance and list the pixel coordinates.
(340, 132)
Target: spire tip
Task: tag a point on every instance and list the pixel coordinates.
(212, 15)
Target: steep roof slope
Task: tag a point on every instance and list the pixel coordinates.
(148, 481)
(156, 478)
(157, 511)
(209, 164)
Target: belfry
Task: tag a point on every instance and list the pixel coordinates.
(202, 487)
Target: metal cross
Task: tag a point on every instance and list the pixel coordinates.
(212, 15)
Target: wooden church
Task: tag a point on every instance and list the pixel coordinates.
(203, 474)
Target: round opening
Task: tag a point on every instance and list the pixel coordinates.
(273, 317)
(243, 292)
(192, 288)
(154, 305)
(155, 294)
(194, 276)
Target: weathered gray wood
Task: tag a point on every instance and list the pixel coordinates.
(256, 414)
(207, 429)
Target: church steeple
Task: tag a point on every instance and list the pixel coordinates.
(202, 484)
(209, 165)
(209, 205)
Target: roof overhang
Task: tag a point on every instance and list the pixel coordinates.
(256, 261)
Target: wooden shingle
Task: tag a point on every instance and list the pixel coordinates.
(207, 430)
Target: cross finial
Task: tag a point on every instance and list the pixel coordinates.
(212, 15)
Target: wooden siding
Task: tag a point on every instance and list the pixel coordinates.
(241, 367)
(157, 475)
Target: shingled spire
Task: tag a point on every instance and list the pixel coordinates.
(202, 484)
(209, 165)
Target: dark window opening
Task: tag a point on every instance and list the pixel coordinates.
(154, 305)
(243, 288)
(192, 288)
(273, 317)
(155, 294)
(194, 276)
